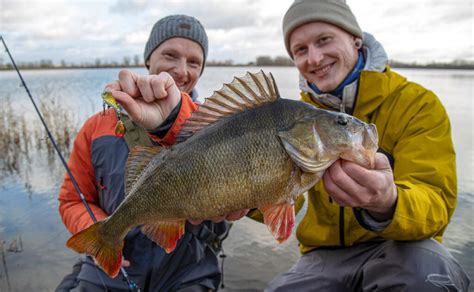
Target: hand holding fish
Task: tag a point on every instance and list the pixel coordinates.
(352, 185)
(148, 99)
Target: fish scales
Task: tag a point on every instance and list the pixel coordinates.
(241, 156)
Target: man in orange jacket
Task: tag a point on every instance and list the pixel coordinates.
(175, 56)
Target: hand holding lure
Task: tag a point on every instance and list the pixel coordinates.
(109, 101)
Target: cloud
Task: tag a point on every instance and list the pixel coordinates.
(213, 14)
(130, 6)
(56, 21)
(33, 16)
(244, 44)
(422, 31)
(238, 29)
(216, 13)
(136, 38)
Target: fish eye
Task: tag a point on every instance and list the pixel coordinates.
(342, 120)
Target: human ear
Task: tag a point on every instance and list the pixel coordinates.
(358, 43)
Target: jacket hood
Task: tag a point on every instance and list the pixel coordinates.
(376, 58)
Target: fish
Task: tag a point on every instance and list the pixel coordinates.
(244, 148)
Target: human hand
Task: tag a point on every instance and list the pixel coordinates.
(352, 185)
(148, 99)
(234, 216)
(125, 263)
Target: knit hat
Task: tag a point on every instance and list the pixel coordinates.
(176, 26)
(335, 12)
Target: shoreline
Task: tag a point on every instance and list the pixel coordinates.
(396, 66)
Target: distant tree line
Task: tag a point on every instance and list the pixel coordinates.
(136, 61)
(277, 61)
(127, 61)
(220, 63)
(456, 64)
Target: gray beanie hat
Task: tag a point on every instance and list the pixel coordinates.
(176, 26)
(335, 12)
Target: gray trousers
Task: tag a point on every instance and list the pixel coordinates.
(376, 266)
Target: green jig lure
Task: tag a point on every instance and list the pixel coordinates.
(110, 101)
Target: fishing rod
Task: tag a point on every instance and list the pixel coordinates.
(131, 285)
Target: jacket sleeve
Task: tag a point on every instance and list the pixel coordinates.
(187, 108)
(71, 208)
(424, 170)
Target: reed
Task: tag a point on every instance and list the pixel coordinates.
(23, 137)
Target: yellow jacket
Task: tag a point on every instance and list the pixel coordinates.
(415, 131)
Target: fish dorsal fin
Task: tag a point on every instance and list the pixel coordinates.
(249, 91)
(138, 159)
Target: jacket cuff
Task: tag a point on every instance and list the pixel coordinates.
(187, 108)
(163, 129)
(369, 222)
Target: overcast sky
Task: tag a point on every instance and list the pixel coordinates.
(82, 31)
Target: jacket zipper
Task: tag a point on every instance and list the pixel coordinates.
(342, 239)
(341, 227)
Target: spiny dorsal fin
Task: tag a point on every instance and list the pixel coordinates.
(138, 159)
(242, 93)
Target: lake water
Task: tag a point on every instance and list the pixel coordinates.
(33, 256)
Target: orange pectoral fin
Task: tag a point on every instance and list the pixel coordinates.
(280, 219)
(166, 234)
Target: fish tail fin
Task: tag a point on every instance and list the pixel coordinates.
(108, 255)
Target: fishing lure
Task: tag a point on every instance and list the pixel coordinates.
(110, 101)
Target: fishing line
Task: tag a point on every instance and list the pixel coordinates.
(131, 285)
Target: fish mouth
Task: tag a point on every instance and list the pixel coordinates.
(369, 144)
(370, 137)
(369, 156)
(361, 156)
(365, 147)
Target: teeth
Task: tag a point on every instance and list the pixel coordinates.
(323, 70)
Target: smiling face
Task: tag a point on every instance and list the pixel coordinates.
(324, 54)
(182, 58)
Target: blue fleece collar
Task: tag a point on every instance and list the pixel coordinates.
(193, 94)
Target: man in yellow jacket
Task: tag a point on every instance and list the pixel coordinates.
(371, 229)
